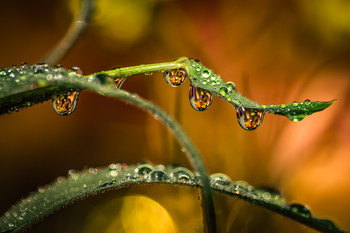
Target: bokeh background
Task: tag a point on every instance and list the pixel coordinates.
(274, 51)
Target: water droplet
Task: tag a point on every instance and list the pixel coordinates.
(42, 65)
(205, 73)
(60, 179)
(282, 105)
(24, 65)
(182, 175)
(58, 67)
(158, 175)
(73, 174)
(295, 117)
(220, 179)
(300, 209)
(269, 194)
(143, 170)
(249, 119)
(295, 104)
(200, 99)
(175, 77)
(307, 102)
(112, 170)
(11, 225)
(65, 104)
(41, 189)
(223, 91)
(231, 86)
(76, 70)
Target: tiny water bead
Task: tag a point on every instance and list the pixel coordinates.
(231, 86)
(296, 117)
(182, 174)
(158, 175)
(200, 99)
(65, 104)
(300, 210)
(75, 70)
(220, 179)
(249, 119)
(175, 77)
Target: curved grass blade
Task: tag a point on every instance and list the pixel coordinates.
(79, 185)
(25, 86)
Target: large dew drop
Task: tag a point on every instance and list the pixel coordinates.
(175, 77)
(200, 99)
(249, 119)
(65, 104)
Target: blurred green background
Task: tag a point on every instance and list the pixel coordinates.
(274, 51)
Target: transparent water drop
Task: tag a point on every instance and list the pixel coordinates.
(58, 67)
(175, 77)
(73, 174)
(307, 102)
(249, 119)
(220, 179)
(231, 86)
(205, 73)
(182, 175)
(65, 104)
(75, 70)
(300, 209)
(143, 170)
(158, 175)
(112, 170)
(270, 194)
(24, 65)
(223, 91)
(200, 99)
(296, 117)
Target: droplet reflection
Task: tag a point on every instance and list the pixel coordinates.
(249, 119)
(200, 99)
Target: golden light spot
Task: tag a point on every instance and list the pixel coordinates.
(142, 214)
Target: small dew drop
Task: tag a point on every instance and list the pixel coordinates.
(24, 65)
(231, 86)
(42, 65)
(295, 117)
(182, 175)
(307, 102)
(220, 179)
(282, 105)
(73, 174)
(65, 104)
(249, 119)
(200, 99)
(300, 209)
(158, 175)
(75, 70)
(143, 170)
(223, 91)
(205, 73)
(175, 77)
(295, 104)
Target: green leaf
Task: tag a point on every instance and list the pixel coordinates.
(79, 185)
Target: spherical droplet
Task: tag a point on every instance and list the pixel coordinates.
(158, 175)
(270, 194)
(175, 77)
(76, 70)
(220, 179)
(182, 175)
(295, 117)
(231, 86)
(200, 99)
(223, 91)
(300, 209)
(295, 104)
(144, 170)
(307, 102)
(65, 104)
(205, 73)
(249, 119)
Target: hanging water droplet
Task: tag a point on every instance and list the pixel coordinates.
(65, 104)
(231, 86)
(175, 77)
(76, 70)
(249, 119)
(300, 209)
(295, 117)
(200, 99)
(220, 179)
(182, 175)
(158, 175)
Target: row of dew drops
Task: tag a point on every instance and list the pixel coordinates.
(200, 99)
(119, 174)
